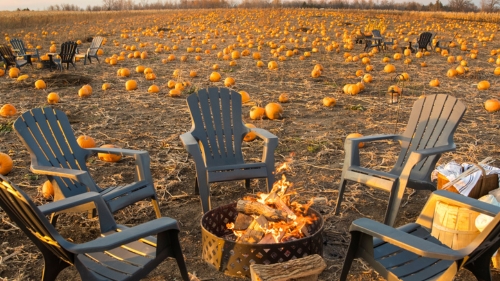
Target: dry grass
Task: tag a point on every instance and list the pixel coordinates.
(311, 136)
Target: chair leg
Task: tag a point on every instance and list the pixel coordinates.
(204, 191)
(196, 187)
(481, 268)
(53, 266)
(53, 218)
(351, 253)
(247, 183)
(395, 197)
(343, 183)
(156, 207)
(176, 248)
(270, 181)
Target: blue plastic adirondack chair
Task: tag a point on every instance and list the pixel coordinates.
(215, 140)
(410, 252)
(48, 136)
(429, 133)
(121, 253)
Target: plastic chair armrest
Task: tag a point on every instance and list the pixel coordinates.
(126, 235)
(193, 148)
(351, 147)
(404, 240)
(142, 160)
(270, 144)
(106, 220)
(77, 175)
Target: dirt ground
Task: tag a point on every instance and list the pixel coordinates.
(311, 136)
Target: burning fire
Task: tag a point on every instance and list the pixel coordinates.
(272, 217)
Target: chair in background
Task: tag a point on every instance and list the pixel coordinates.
(67, 55)
(48, 136)
(376, 41)
(215, 140)
(121, 253)
(92, 50)
(22, 51)
(424, 40)
(429, 133)
(11, 60)
(410, 252)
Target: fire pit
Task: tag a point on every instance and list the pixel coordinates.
(234, 258)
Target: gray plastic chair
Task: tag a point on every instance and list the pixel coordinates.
(215, 140)
(121, 253)
(424, 40)
(429, 133)
(92, 51)
(11, 60)
(22, 51)
(48, 136)
(411, 253)
(67, 55)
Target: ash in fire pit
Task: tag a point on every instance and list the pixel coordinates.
(262, 230)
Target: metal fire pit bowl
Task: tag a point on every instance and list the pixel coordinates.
(234, 259)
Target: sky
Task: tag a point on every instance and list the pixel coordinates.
(11, 5)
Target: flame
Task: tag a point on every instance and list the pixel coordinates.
(295, 227)
(283, 166)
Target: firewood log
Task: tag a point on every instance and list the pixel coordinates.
(257, 208)
(310, 266)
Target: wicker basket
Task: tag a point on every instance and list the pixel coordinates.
(454, 226)
(485, 184)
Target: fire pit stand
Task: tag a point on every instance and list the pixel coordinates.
(234, 258)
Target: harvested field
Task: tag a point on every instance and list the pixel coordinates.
(311, 136)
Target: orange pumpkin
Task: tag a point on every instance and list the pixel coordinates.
(329, 101)
(492, 105)
(85, 141)
(245, 97)
(283, 98)
(130, 85)
(250, 136)
(47, 190)
(257, 113)
(483, 85)
(356, 135)
(215, 77)
(274, 110)
(108, 157)
(6, 164)
(40, 84)
(52, 98)
(8, 110)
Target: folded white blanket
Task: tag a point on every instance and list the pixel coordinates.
(452, 170)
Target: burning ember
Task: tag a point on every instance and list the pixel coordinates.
(271, 217)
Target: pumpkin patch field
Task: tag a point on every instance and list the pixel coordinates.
(304, 75)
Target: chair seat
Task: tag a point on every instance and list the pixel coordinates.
(118, 197)
(236, 172)
(122, 262)
(407, 265)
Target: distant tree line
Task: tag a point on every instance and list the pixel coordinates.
(453, 5)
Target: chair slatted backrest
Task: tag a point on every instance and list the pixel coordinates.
(217, 124)
(432, 123)
(376, 33)
(68, 51)
(30, 220)
(8, 57)
(94, 46)
(18, 45)
(424, 39)
(48, 135)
